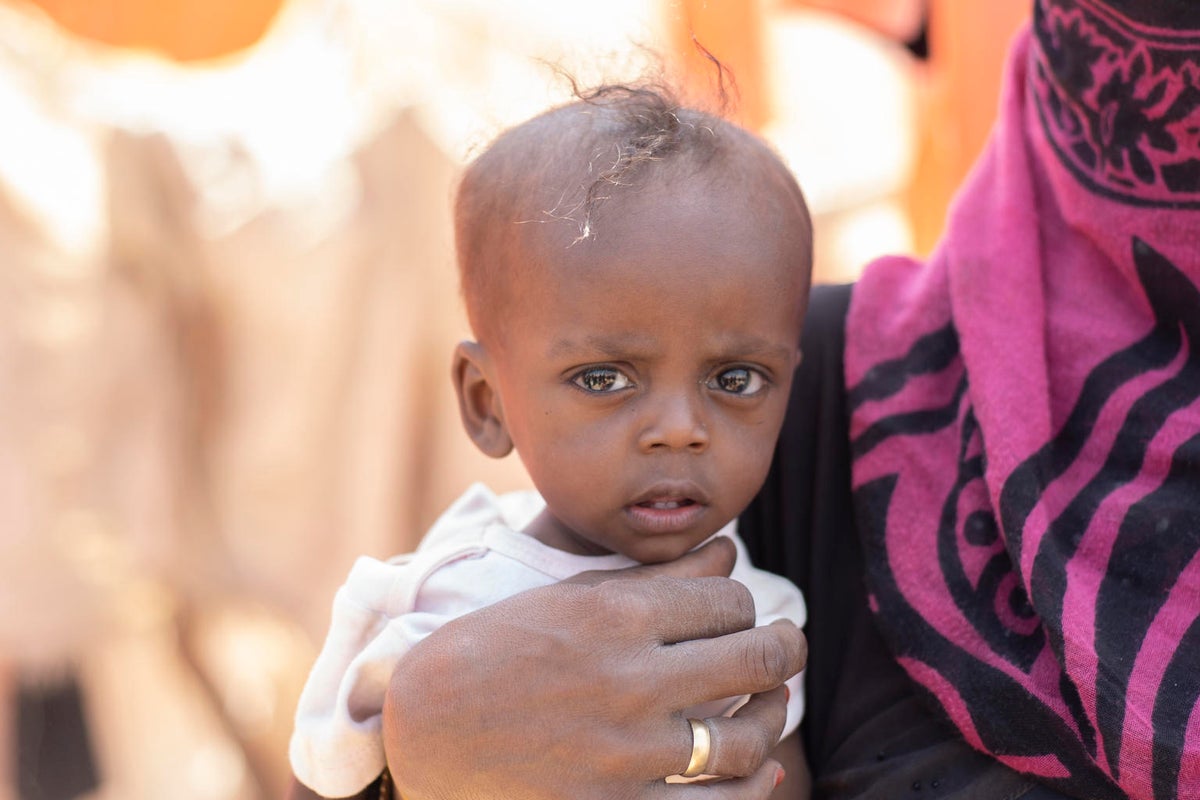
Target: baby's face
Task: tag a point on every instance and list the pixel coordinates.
(644, 373)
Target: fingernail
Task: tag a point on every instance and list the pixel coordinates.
(778, 777)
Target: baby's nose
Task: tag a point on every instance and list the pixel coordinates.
(676, 423)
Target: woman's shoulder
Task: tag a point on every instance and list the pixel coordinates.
(825, 323)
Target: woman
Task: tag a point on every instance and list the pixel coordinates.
(1003, 446)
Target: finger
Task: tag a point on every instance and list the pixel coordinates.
(714, 560)
(755, 787)
(745, 662)
(738, 745)
(665, 609)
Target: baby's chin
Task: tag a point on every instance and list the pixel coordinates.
(665, 548)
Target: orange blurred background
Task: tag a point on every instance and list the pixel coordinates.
(185, 30)
(229, 304)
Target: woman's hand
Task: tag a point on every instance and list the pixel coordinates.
(576, 690)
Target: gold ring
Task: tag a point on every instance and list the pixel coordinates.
(701, 747)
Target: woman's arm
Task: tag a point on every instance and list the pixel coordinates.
(575, 690)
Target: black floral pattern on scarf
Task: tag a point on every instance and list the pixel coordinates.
(1119, 101)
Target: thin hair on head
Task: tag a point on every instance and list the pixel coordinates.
(649, 127)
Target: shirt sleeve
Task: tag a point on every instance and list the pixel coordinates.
(336, 747)
(775, 598)
(380, 613)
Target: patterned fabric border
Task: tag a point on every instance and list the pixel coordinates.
(1125, 117)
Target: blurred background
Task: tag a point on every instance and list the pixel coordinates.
(228, 302)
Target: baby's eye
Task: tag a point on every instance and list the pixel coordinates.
(602, 379)
(739, 380)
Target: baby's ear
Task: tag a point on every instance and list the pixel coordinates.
(479, 400)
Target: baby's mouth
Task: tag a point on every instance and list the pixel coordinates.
(668, 508)
(666, 505)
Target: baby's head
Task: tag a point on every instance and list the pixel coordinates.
(636, 275)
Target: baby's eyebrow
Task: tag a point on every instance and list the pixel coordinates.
(607, 345)
(635, 345)
(758, 348)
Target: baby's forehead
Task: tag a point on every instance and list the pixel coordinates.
(749, 232)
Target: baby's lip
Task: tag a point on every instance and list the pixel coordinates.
(671, 494)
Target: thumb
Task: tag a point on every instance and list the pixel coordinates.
(714, 559)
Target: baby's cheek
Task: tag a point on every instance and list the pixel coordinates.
(755, 465)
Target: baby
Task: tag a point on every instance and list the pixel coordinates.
(636, 275)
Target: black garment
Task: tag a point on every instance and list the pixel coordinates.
(868, 730)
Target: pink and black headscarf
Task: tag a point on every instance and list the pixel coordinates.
(1025, 416)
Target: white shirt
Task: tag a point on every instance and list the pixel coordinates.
(473, 556)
